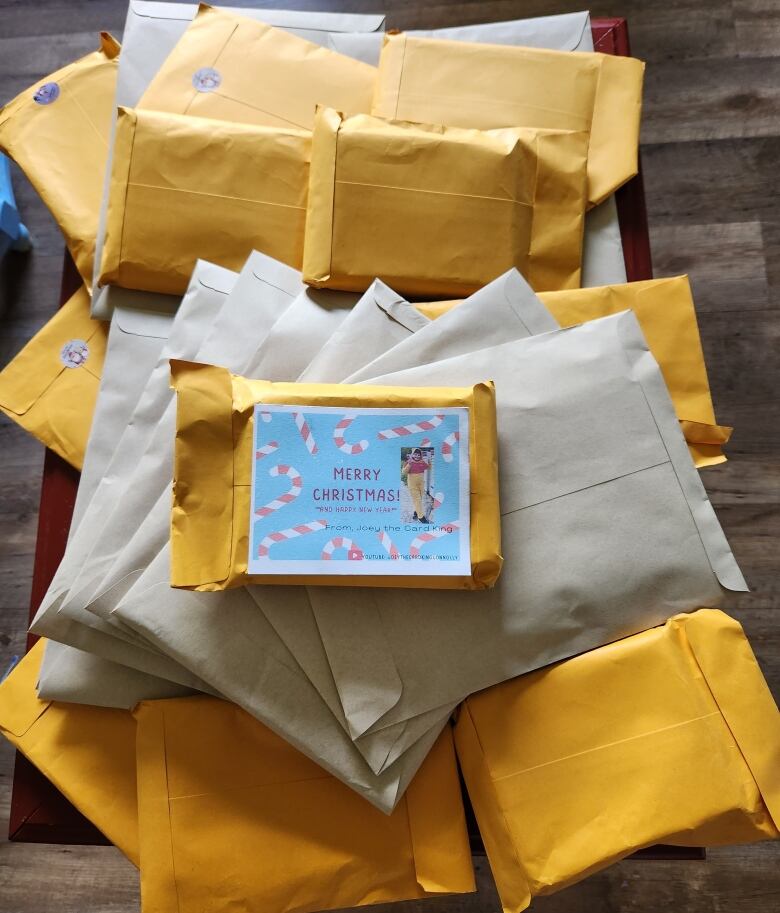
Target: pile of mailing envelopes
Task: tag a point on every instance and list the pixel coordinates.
(383, 465)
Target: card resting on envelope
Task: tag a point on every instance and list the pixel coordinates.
(332, 484)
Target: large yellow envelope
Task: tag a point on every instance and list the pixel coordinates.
(51, 387)
(57, 132)
(215, 452)
(234, 68)
(188, 188)
(667, 316)
(86, 752)
(668, 736)
(232, 817)
(465, 84)
(442, 211)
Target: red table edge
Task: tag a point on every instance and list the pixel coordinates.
(39, 811)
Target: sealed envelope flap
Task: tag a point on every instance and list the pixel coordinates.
(19, 704)
(210, 777)
(71, 340)
(488, 86)
(231, 67)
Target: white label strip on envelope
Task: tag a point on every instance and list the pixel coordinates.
(360, 492)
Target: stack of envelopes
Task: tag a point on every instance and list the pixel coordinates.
(369, 420)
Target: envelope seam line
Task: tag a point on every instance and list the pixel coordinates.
(441, 193)
(252, 107)
(219, 196)
(249, 786)
(459, 100)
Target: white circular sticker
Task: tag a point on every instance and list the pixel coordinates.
(206, 79)
(74, 353)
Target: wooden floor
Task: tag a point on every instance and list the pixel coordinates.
(711, 157)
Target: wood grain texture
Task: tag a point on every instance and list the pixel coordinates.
(711, 147)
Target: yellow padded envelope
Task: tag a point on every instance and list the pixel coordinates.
(57, 132)
(667, 316)
(88, 753)
(439, 211)
(232, 817)
(50, 388)
(464, 84)
(188, 188)
(668, 736)
(213, 459)
(230, 67)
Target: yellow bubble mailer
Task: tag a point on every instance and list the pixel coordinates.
(88, 753)
(57, 131)
(230, 67)
(188, 188)
(50, 388)
(223, 434)
(442, 211)
(669, 736)
(464, 84)
(233, 817)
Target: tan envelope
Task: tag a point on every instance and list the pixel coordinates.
(184, 188)
(441, 211)
(231, 67)
(57, 131)
(669, 736)
(51, 386)
(486, 86)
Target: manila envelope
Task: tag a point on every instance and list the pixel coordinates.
(50, 388)
(184, 188)
(463, 84)
(57, 131)
(86, 752)
(150, 34)
(234, 68)
(440, 210)
(618, 538)
(669, 736)
(231, 816)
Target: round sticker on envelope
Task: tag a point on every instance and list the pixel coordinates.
(206, 79)
(74, 353)
(48, 92)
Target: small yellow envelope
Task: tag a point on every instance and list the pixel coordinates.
(667, 316)
(232, 817)
(86, 752)
(184, 188)
(230, 67)
(214, 456)
(51, 387)
(668, 736)
(57, 132)
(462, 84)
(440, 210)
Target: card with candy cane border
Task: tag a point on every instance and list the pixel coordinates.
(364, 491)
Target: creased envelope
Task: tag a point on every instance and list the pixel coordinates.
(486, 86)
(283, 836)
(57, 132)
(86, 752)
(231, 67)
(51, 386)
(617, 538)
(669, 736)
(186, 188)
(441, 211)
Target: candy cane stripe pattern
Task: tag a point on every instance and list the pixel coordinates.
(387, 544)
(305, 431)
(447, 444)
(343, 445)
(266, 450)
(293, 532)
(338, 542)
(404, 430)
(414, 548)
(296, 484)
(438, 500)
(265, 416)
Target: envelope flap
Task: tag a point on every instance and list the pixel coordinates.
(730, 668)
(19, 704)
(398, 308)
(65, 343)
(141, 321)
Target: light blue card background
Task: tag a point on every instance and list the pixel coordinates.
(362, 519)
